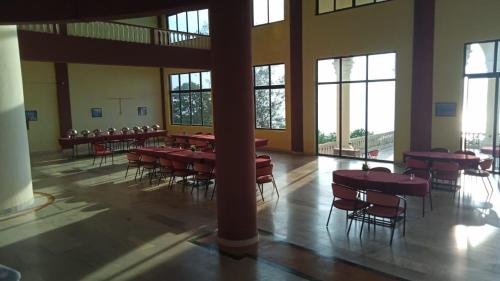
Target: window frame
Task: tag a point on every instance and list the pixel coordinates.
(269, 87)
(354, 6)
(189, 91)
(340, 82)
(267, 22)
(187, 22)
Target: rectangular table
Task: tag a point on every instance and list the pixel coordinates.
(259, 142)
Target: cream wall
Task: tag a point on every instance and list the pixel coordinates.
(384, 27)
(40, 94)
(146, 21)
(95, 86)
(457, 22)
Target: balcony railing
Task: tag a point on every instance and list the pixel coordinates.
(125, 33)
(375, 142)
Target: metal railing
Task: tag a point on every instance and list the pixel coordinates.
(124, 32)
(378, 141)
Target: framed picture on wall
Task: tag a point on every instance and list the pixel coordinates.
(142, 111)
(446, 109)
(96, 112)
(31, 115)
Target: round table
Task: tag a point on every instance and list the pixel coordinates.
(390, 183)
(462, 159)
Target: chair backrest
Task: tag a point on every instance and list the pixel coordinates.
(264, 156)
(439, 149)
(381, 169)
(373, 153)
(344, 192)
(413, 163)
(382, 199)
(148, 159)
(445, 166)
(133, 156)
(164, 162)
(99, 147)
(466, 152)
(419, 173)
(179, 165)
(486, 164)
(202, 168)
(264, 171)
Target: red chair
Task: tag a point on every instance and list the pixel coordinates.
(373, 154)
(181, 142)
(264, 156)
(446, 173)
(483, 173)
(139, 142)
(347, 199)
(148, 163)
(265, 175)
(134, 160)
(166, 170)
(204, 173)
(426, 175)
(381, 169)
(385, 206)
(412, 163)
(102, 151)
(181, 169)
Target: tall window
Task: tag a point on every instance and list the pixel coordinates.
(192, 22)
(269, 89)
(356, 106)
(268, 11)
(326, 6)
(191, 99)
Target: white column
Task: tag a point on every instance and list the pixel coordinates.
(16, 190)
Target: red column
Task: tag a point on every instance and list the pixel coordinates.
(230, 32)
(296, 75)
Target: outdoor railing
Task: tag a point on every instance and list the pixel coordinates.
(124, 32)
(378, 141)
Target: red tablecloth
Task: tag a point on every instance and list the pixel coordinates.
(65, 142)
(489, 150)
(211, 138)
(156, 151)
(462, 159)
(190, 157)
(388, 183)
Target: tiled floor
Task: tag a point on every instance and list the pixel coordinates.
(104, 227)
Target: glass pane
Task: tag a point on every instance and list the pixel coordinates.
(328, 96)
(478, 116)
(276, 10)
(185, 109)
(174, 82)
(206, 82)
(278, 74)
(260, 15)
(325, 6)
(328, 70)
(204, 23)
(182, 22)
(262, 117)
(176, 109)
(261, 75)
(278, 113)
(184, 81)
(207, 108)
(195, 81)
(479, 58)
(353, 119)
(354, 68)
(343, 4)
(196, 108)
(382, 66)
(497, 146)
(381, 110)
(172, 22)
(192, 21)
(363, 2)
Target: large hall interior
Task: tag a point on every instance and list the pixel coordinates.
(250, 140)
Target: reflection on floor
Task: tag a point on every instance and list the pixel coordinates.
(105, 227)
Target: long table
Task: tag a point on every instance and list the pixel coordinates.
(462, 159)
(259, 142)
(390, 183)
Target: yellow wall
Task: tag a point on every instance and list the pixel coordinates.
(40, 94)
(385, 27)
(457, 22)
(95, 86)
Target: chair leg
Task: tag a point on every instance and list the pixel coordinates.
(485, 188)
(142, 173)
(423, 206)
(328, 220)
(430, 198)
(350, 224)
(404, 223)
(213, 191)
(93, 162)
(126, 173)
(137, 172)
(276, 188)
(492, 190)
(262, 191)
(102, 158)
(393, 226)
(362, 224)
